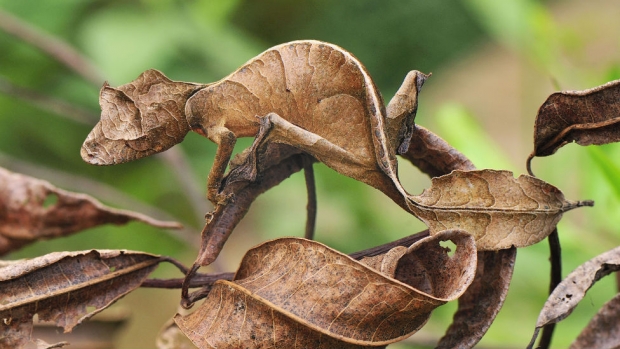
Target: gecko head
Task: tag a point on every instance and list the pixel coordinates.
(138, 119)
(402, 109)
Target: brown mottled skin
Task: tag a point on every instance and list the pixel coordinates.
(309, 94)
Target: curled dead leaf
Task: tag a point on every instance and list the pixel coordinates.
(480, 304)
(433, 155)
(33, 209)
(387, 262)
(573, 288)
(587, 117)
(482, 301)
(296, 293)
(603, 330)
(66, 288)
(497, 209)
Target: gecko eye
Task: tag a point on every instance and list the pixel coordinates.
(154, 106)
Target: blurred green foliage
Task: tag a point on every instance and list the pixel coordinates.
(203, 41)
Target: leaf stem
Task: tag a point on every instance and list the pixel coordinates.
(176, 263)
(311, 206)
(377, 250)
(555, 257)
(199, 280)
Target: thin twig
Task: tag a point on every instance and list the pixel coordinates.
(187, 299)
(199, 280)
(52, 46)
(377, 250)
(196, 296)
(555, 257)
(176, 263)
(311, 206)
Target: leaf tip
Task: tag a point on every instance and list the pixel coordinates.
(157, 223)
(174, 225)
(581, 203)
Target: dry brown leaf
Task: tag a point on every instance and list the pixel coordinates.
(387, 262)
(587, 117)
(479, 305)
(296, 293)
(66, 288)
(171, 337)
(33, 209)
(433, 155)
(603, 331)
(573, 288)
(497, 209)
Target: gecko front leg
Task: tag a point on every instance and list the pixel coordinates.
(248, 169)
(225, 140)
